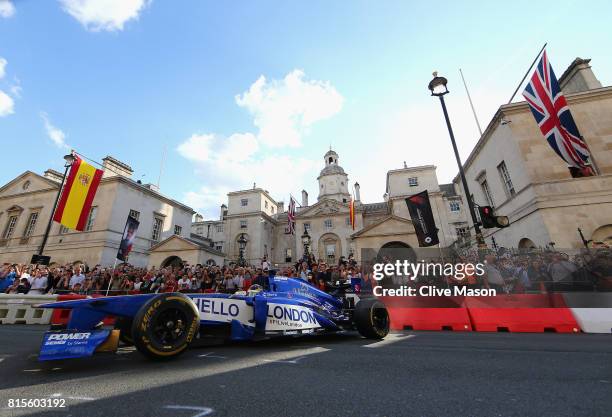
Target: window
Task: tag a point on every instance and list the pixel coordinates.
(413, 181)
(219, 247)
(157, 228)
(487, 192)
(344, 200)
(454, 206)
(266, 203)
(63, 230)
(330, 251)
(31, 224)
(243, 224)
(177, 229)
(10, 227)
(219, 228)
(272, 209)
(328, 223)
(462, 232)
(307, 226)
(135, 214)
(244, 202)
(91, 219)
(505, 177)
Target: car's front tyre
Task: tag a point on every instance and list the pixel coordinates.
(165, 326)
(371, 319)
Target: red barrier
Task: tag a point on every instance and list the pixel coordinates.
(61, 316)
(532, 313)
(427, 313)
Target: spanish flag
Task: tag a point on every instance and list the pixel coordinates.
(352, 213)
(77, 195)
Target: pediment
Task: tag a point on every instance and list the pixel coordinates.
(174, 243)
(325, 208)
(390, 225)
(27, 182)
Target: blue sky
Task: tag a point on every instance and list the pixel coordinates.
(257, 91)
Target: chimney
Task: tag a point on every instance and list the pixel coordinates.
(113, 168)
(578, 77)
(223, 212)
(281, 206)
(304, 198)
(53, 175)
(357, 192)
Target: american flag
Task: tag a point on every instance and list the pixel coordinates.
(291, 217)
(552, 115)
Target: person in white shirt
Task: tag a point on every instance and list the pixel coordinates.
(239, 279)
(38, 283)
(184, 283)
(77, 278)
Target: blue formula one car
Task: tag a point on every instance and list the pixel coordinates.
(162, 326)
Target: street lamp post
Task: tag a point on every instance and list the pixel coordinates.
(69, 160)
(437, 86)
(241, 245)
(306, 243)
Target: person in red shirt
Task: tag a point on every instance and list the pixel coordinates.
(170, 285)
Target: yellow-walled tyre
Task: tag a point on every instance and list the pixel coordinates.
(371, 319)
(165, 326)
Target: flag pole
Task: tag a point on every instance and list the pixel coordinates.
(471, 104)
(110, 281)
(527, 73)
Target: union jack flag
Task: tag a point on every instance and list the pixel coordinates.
(552, 115)
(291, 217)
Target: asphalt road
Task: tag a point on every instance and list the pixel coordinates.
(412, 374)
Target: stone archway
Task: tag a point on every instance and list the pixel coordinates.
(172, 261)
(396, 250)
(602, 234)
(526, 243)
(330, 248)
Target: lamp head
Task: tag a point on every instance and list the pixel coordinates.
(437, 86)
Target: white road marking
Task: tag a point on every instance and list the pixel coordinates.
(132, 379)
(293, 361)
(210, 355)
(32, 370)
(59, 395)
(202, 411)
(391, 338)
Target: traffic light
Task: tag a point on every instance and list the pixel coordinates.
(488, 219)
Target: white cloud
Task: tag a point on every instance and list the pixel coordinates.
(110, 15)
(3, 63)
(6, 8)
(234, 163)
(56, 135)
(284, 110)
(6, 104)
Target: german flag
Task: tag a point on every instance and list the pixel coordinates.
(78, 194)
(352, 212)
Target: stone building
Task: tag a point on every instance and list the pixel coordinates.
(262, 220)
(513, 169)
(26, 203)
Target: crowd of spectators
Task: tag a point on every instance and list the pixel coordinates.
(525, 271)
(506, 272)
(129, 279)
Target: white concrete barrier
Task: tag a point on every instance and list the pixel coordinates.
(592, 311)
(19, 309)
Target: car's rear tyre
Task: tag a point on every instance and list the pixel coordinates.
(371, 319)
(165, 326)
(124, 325)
